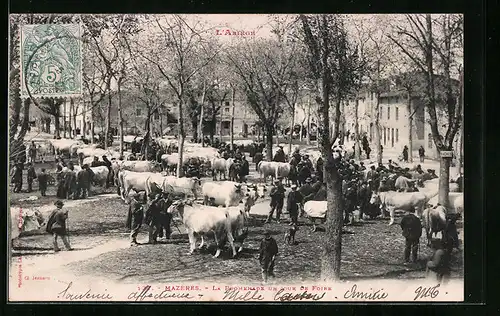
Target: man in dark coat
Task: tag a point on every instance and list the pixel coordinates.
(56, 225)
(405, 154)
(440, 262)
(296, 155)
(95, 162)
(304, 171)
(107, 163)
(319, 169)
(412, 230)
(83, 179)
(267, 255)
(245, 168)
(165, 218)
(292, 204)
(134, 218)
(364, 195)
(280, 155)
(70, 182)
(61, 185)
(31, 176)
(350, 197)
(153, 218)
(277, 195)
(17, 178)
(307, 190)
(421, 153)
(42, 182)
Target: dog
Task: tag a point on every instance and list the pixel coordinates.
(290, 235)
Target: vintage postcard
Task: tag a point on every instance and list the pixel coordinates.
(236, 158)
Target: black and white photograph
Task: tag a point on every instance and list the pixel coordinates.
(236, 157)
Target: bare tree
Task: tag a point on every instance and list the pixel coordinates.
(418, 40)
(332, 64)
(181, 54)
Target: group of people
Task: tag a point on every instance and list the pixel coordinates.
(17, 178)
(154, 214)
(71, 184)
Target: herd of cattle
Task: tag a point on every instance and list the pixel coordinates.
(200, 204)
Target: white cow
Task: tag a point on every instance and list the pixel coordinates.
(130, 180)
(315, 210)
(25, 220)
(203, 219)
(455, 200)
(408, 201)
(100, 174)
(219, 165)
(187, 186)
(267, 168)
(141, 166)
(226, 193)
(434, 220)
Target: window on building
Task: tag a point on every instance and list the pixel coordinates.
(388, 112)
(226, 124)
(226, 110)
(397, 134)
(137, 111)
(397, 113)
(227, 103)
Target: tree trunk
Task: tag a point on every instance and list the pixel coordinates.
(70, 118)
(220, 131)
(232, 120)
(292, 124)
(444, 181)
(308, 121)
(377, 129)
(84, 118)
(202, 114)
(120, 115)
(64, 119)
(161, 121)
(410, 130)
(182, 136)
(47, 125)
(342, 123)
(357, 147)
(108, 120)
(269, 142)
(92, 124)
(330, 260)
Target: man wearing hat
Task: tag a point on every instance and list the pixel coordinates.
(267, 255)
(307, 190)
(70, 182)
(292, 205)
(56, 225)
(107, 163)
(134, 218)
(277, 195)
(153, 218)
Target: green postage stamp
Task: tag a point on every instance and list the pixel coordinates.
(51, 59)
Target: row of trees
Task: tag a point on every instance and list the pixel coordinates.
(326, 59)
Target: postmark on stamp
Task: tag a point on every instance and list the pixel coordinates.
(51, 59)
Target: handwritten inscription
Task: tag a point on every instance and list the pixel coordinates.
(372, 294)
(235, 295)
(148, 293)
(290, 296)
(68, 294)
(425, 292)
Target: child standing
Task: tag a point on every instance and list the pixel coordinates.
(42, 182)
(267, 255)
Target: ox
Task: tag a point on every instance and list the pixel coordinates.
(187, 186)
(455, 202)
(100, 175)
(404, 184)
(141, 166)
(220, 166)
(24, 221)
(434, 220)
(315, 210)
(408, 201)
(273, 169)
(203, 219)
(129, 180)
